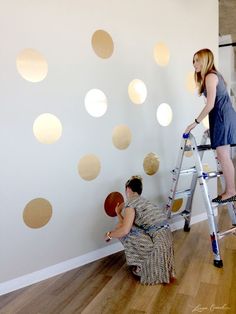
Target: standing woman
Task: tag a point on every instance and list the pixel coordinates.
(222, 117)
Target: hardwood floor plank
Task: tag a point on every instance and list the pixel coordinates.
(108, 287)
(142, 298)
(116, 294)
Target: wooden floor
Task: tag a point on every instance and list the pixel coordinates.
(107, 286)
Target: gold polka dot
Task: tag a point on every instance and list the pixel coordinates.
(137, 91)
(151, 164)
(188, 153)
(31, 65)
(164, 114)
(205, 122)
(89, 167)
(190, 82)
(102, 44)
(177, 204)
(121, 136)
(95, 103)
(47, 128)
(161, 54)
(206, 167)
(37, 213)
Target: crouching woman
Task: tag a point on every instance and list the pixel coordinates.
(146, 236)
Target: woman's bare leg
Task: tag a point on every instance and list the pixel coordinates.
(227, 166)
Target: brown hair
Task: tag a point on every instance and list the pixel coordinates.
(207, 58)
(135, 184)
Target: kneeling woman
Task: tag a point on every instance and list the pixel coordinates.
(145, 235)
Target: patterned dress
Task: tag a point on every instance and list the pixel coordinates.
(222, 118)
(149, 245)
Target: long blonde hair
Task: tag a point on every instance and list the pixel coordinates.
(207, 58)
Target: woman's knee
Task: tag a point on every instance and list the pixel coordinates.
(223, 153)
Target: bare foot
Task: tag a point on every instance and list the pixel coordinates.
(226, 196)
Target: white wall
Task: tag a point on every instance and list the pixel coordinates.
(62, 31)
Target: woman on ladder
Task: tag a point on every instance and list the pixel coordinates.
(222, 118)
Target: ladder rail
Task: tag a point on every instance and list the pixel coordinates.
(199, 175)
(175, 178)
(206, 199)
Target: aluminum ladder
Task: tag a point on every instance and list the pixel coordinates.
(188, 143)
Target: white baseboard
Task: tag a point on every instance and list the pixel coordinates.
(46, 273)
(51, 271)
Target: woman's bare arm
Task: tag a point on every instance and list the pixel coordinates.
(126, 224)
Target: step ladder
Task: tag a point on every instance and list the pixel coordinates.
(188, 144)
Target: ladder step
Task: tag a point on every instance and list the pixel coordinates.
(184, 213)
(182, 194)
(212, 174)
(184, 171)
(187, 148)
(214, 205)
(227, 232)
(203, 147)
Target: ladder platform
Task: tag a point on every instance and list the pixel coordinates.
(232, 230)
(214, 204)
(212, 174)
(184, 213)
(184, 171)
(204, 147)
(207, 175)
(183, 193)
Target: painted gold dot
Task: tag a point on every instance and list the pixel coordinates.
(47, 128)
(190, 82)
(164, 114)
(121, 136)
(95, 103)
(89, 167)
(161, 54)
(189, 152)
(177, 204)
(31, 65)
(102, 44)
(37, 213)
(137, 91)
(151, 164)
(205, 122)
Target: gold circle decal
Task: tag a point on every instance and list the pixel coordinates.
(37, 213)
(189, 152)
(89, 167)
(205, 122)
(177, 204)
(190, 82)
(164, 114)
(121, 136)
(151, 164)
(47, 128)
(137, 91)
(95, 103)
(102, 44)
(161, 54)
(31, 65)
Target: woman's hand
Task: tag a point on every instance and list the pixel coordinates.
(119, 208)
(107, 236)
(190, 127)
